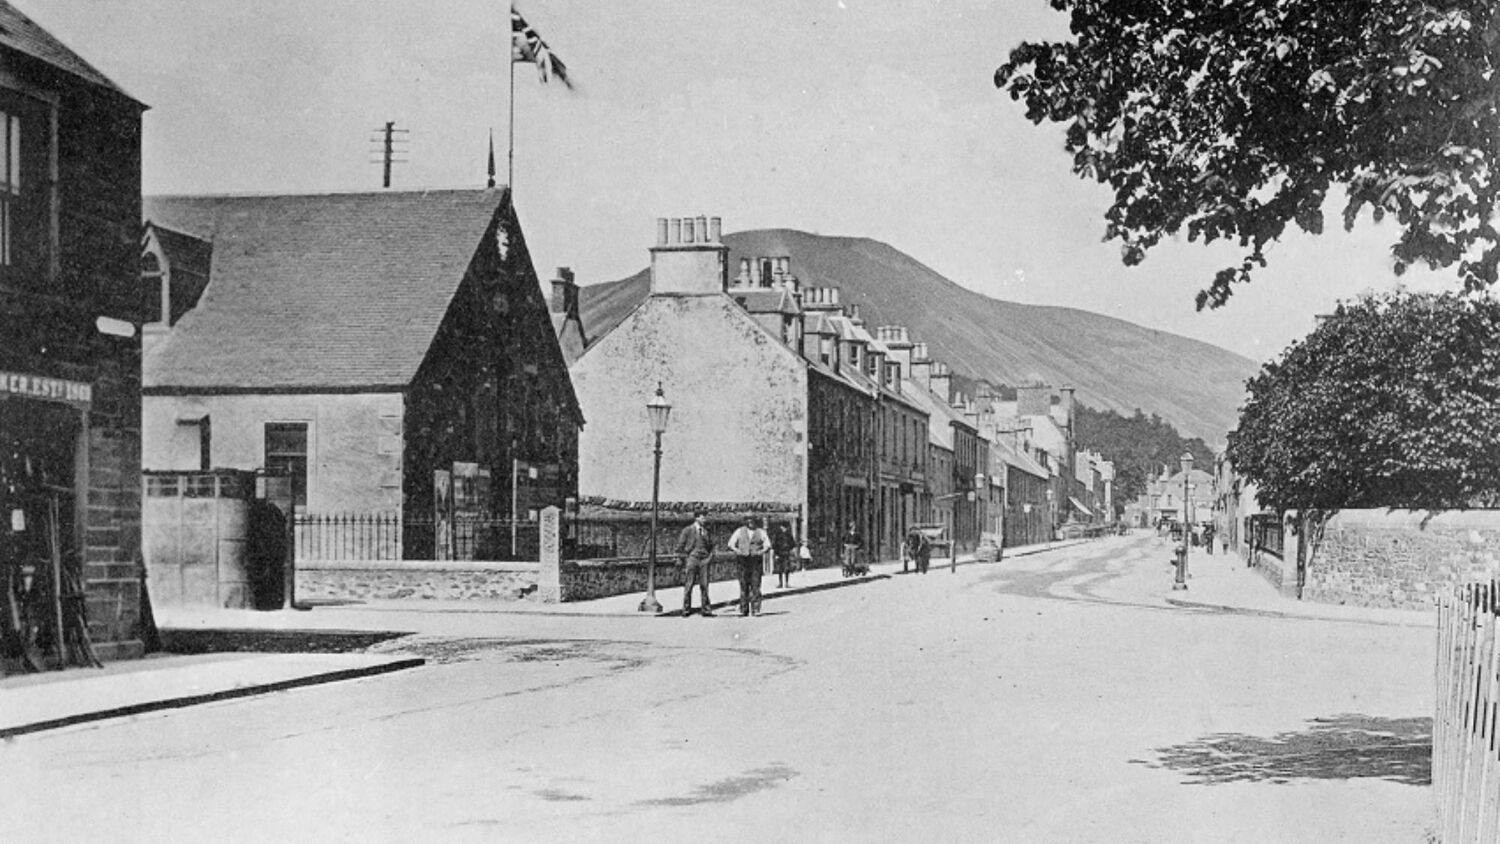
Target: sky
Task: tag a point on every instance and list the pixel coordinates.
(863, 118)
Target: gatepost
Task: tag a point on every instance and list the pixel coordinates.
(549, 579)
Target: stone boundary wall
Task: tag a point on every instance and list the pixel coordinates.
(1400, 558)
(582, 580)
(358, 580)
(1278, 572)
(585, 580)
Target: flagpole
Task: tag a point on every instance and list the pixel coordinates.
(510, 154)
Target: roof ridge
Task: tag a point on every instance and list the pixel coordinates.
(341, 192)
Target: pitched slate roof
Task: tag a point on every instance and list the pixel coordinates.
(763, 300)
(327, 291)
(23, 35)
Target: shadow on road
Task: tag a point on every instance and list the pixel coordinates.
(1342, 747)
(732, 788)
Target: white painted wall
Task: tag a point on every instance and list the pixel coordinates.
(739, 406)
(354, 441)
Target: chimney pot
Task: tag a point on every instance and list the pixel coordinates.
(661, 231)
(676, 230)
(715, 229)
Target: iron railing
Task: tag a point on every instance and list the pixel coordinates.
(389, 535)
(1266, 535)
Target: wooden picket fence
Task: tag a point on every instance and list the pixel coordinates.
(1465, 752)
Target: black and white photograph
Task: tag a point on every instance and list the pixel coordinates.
(796, 420)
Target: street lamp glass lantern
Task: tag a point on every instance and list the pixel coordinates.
(658, 410)
(1187, 462)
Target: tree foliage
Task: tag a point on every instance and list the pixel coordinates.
(1390, 402)
(1138, 446)
(1231, 119)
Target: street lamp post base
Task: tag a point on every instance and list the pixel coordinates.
(1179, 585)
(650, 604)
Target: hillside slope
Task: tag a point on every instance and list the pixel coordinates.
(1114, 364)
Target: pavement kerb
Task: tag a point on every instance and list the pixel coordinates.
(181, 701)
(1310, 612)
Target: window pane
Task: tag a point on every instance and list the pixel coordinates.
(5, 158)
(286, 453)
(287, 439)
(15, 154)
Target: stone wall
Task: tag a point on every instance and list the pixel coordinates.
(112, 520)
(357, 580)
(386, 580)
(589, 579)
(1399, 558)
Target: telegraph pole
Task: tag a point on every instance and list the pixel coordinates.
(388, 140)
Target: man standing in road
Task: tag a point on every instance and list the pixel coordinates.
(750, 544)
(918, 550)
(695, 549)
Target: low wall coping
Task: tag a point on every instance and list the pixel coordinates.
(1383, 519)
(414, 565)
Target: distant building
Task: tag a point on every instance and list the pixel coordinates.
(1166, 500)
(70, 191)
(391, 351)
(567, 324)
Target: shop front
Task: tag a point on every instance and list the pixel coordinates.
(43, 498)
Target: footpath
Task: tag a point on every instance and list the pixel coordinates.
(57, 699)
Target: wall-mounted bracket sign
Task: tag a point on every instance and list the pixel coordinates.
(79, 394)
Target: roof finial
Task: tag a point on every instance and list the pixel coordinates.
(491, 182)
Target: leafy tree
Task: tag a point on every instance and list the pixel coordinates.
(1390, 402)
(1233, 118)
(1138, 446)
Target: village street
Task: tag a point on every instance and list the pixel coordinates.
(1045, 698)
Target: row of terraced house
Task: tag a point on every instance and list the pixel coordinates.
(787, 405)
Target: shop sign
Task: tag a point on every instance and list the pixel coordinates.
(77, 393)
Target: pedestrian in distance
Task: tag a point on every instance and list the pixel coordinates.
(852, 544)
(784, 547)
(695, 550)
(918, 550)
(750, 544)
(804, 556)
(1208, 538)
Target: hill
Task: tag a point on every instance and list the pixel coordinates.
(1116, 365)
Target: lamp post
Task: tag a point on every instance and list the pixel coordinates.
(1182, 553)
(657, 411)
(1051, 515)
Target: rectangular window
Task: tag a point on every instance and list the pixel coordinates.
(286, 453)
(10, 183)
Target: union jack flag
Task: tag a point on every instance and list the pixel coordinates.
(528, 47)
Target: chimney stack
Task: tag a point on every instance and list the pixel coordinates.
(821, 299)
(921, 366)
(689, 257)
(941, 382)
(564, 293)
(899, 345)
